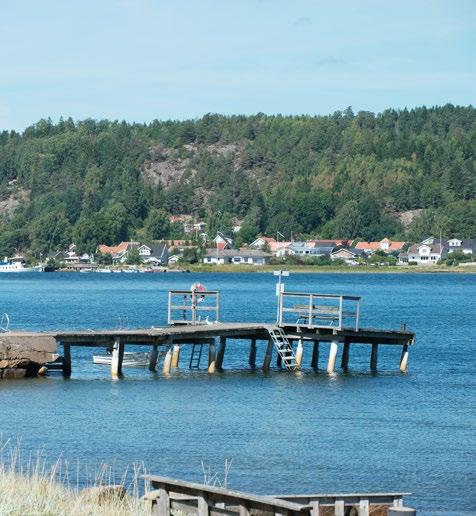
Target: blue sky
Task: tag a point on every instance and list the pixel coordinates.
(143, 59)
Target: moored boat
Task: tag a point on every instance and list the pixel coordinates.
(131, 359)
(17, 266)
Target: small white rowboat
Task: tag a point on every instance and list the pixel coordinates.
(131, 359)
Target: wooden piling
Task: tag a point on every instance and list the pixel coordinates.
(345, 355)
(299, 353)
(221, 353)
(175, 356)
(252, 357)
(166, 366)
(66, 360)
(154, 355)
(268, 356)
(331, 363)
(211, 356)
(315, 355)
(117, 358)
(374, 357)
(404, 359)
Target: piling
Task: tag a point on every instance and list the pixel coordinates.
(175, 356)
(299, 353)
(268, 356)
(221, 353)
(154, 355)
(345, 355)
(315, 355)
(252, 357)
(374, 357)
(66, 360)
(167, 362)
(211, 357)
(331, 363)
(404, 359)
(117, 358)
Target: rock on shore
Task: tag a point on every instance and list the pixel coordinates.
(22, 354)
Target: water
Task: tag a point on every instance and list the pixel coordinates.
(285, 432)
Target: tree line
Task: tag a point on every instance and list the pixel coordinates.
(345, 175)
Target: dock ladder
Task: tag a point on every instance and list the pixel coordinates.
(284, 349)
(195, 356)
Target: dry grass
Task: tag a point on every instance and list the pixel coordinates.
(32, 486)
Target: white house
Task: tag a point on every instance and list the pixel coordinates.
(236, 257)
(423, 254)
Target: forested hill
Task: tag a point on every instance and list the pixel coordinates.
(345, 175)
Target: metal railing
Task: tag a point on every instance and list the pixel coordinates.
(192, 307)
(319, 310)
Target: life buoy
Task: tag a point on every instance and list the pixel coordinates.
(196, 288)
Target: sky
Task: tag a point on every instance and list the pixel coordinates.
(140, 60)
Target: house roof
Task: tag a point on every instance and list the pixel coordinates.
(333, 241)
(434, 248)
(105, 249)
(374, 246)
(351, 250)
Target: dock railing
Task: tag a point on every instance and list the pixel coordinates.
(319, 310)
(192, 307)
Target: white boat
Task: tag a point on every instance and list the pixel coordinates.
(17, 266)
(131, 359)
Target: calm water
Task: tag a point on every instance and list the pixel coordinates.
(284, 432)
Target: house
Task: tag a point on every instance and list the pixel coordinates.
(154, 254)
(385, 245)
(431, 250)
(349, 254)
(277, 248)
(222, 242)
(310, 249)
(236, 257)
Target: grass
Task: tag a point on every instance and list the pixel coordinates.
(32, 486)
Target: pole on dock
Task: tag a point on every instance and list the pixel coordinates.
(374, 357)
(404, 359)
(345, 355)
(221, 353)
(331, 362)
(315, 355)
(268, 356)
(175, 356)
(66, 360)
(117, 358)
(252, 357)
(166, 366)
(211, 356)
(154, 355)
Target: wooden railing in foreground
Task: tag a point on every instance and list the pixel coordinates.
(191, 498)
(203, 500)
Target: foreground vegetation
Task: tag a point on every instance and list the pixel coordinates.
(346, 176)
(32, 487)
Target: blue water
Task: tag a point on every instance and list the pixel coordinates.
(285, 432)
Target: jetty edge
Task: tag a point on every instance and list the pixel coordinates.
(303, 319)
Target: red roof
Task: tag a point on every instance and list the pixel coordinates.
(374, 246)
(106, 249)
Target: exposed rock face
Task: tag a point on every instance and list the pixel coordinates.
(23, 355)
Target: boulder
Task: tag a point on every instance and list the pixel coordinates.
(13, 374)
(102, 494)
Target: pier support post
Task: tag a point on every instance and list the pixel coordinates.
(221, 353)
(404, 359)
(66, 360)
(211, 357)
(117, 358)
(268, 356)
(374, 357)
(331, 362)
(154, 355)
(299, 353)
(175, 356)
(252, 358)
(345, 355)
(166, 366)
(315, 355)
(279, 360)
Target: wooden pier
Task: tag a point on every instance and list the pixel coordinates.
(310, 320)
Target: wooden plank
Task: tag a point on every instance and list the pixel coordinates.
(163, 503)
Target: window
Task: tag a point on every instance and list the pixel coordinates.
(423, 258)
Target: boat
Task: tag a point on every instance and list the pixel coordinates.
(17, 266)
(131, 359)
